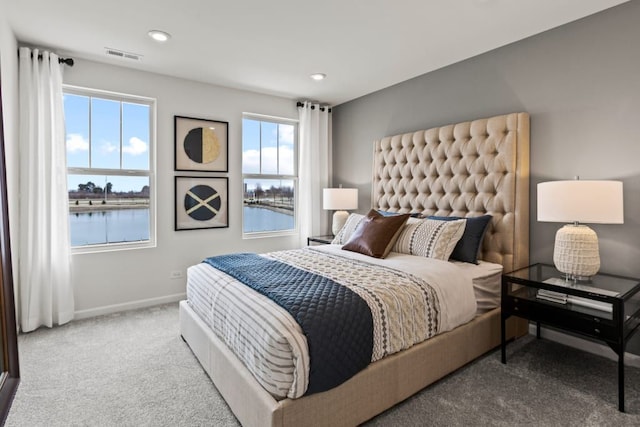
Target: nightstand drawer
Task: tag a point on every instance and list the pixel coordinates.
(322, 240)
(558, 314)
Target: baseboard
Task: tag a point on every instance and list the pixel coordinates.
(115, 308)
(593, 347)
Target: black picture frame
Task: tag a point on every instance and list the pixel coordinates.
(200, 144)
(201, 202)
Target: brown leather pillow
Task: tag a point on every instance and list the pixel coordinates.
(376, 234)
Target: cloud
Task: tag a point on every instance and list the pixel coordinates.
(107, 148)
(270, 160)
(284, 131)
(76, 142)
(286, 134)
(136, 147)
(251, 161)
(286, 160)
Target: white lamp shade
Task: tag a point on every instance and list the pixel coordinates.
(337, 199)
(595, 202)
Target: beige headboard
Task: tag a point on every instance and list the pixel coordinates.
(464, 169)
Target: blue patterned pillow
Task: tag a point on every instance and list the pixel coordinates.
(468, 247)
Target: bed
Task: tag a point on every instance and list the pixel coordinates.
(465, 170)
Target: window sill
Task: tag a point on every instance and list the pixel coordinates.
(265, 234)
(111, 247)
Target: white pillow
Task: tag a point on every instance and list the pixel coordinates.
(347, 229)
(429, 238)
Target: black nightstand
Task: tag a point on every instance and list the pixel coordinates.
(324, 240)
(606, 308)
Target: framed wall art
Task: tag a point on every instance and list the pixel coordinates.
(201, 145)
(201, 202)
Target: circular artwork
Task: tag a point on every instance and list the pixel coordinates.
(202, 145)
(202, 202)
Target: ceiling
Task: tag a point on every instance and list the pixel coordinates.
(273, 46)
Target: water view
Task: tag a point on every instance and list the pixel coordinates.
(111, 226)
(258, 219)
(132, 225)
(268, 205)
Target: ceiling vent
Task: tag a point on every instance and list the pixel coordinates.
(122, 54)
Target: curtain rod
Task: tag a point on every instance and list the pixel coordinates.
(66, 61)
(313, 107)
(61, 60)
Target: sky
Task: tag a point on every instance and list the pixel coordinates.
(96, 142)
(96, 139)
(267, 148)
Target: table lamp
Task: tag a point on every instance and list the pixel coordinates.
(339, 200)
(575, 252)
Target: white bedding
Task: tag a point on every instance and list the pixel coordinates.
(486, 277)
(269, 341)
(453, 285)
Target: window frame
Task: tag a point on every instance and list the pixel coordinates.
(150, 173)
(294, 177)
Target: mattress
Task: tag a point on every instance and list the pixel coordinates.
(486, 278)
(273, 347)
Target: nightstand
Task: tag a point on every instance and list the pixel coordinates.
(606, 308)
(323, 240)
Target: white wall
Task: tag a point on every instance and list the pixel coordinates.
(110, 281)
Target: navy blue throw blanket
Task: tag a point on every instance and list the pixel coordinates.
(336, 321)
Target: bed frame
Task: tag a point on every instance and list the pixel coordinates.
(466, 169)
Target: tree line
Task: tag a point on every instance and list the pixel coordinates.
(272, 193)
(91, 189)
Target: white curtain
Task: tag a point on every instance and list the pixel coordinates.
(314, 168)
(44, 281)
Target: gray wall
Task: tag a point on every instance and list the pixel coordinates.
(581, 85)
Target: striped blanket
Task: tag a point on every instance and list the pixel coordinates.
(335, 320)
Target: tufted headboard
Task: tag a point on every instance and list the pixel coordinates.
(464, 169)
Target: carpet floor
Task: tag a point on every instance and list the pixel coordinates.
(133, 369)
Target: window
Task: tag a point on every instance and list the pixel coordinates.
(110, 176)
(269, 157)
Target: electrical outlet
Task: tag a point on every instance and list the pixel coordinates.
(175, 274)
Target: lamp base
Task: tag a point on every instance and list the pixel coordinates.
(576, 251)
(339, 218)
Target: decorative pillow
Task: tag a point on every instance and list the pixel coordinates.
(376, 234)
(429, 238)
(347, 229)
(468, 247)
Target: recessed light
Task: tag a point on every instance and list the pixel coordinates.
(159, 36)
(318, 76)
